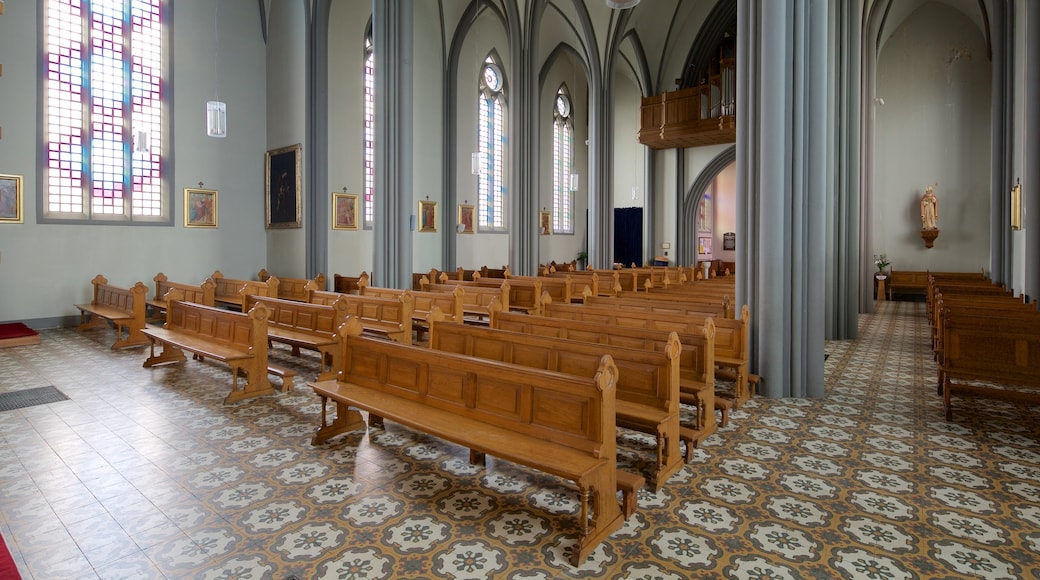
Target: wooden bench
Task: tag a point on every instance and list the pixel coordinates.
(387, 317)
(731, 336)
(559, 289)
(680, 307)
(423, 304)
(123, 307)
(916, 283)
(199, 294)
(234, 338)
(476, 300)
(647, 384)
(292, 288)
(990, 356)
(230, 292)
(524, 294)
(304, 325)
(696, 360)
(349, 284)
(556, 423)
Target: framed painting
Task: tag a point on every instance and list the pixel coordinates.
(427, 216)
(704, 246)
(344, 211)
(200, 208)
(544, 223)
(11, 199)
(282, 187)
(466, 219)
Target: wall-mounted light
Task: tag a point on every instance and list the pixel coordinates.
(573, 185)
(621, 4)
(478, 163)
(1016, 205)
(142, 141)
(216, 119)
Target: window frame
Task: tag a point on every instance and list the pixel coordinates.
(165, 198)
(563, 196)
(494, 159)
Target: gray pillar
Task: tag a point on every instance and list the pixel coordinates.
(1031, 150)
(781, 178)
(843, 270)
(317, 148)
(1001, 139)
(392, 36)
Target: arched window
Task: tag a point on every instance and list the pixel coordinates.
(563, 164)
(369, 147)
(104, 111)
(491, 148)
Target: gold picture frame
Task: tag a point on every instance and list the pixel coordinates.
(200, 208)
(427, 216)
(467, 217)
(544, 223)
(344, 211)
(1016, 207)
(282, 187)
(11, 206)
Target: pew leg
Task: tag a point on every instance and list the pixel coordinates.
(347, 420)
(169, 354)
(477, 458)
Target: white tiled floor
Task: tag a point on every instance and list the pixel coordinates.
(144, 473)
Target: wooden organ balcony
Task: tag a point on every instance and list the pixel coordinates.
(694, 116)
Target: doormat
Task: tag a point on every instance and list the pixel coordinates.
(30, 398)
(17, 334)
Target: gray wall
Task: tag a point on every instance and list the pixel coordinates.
(934, 76)
(45, 269)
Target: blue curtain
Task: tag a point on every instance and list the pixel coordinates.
(628, 235)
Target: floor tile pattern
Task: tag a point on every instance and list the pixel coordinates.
(144, 473)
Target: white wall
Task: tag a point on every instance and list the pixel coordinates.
(45, 269)
(350, 252)
(563, 247)
(479, 249)
(286, 122)
(725, 211)
(934, 76)
(428, 140)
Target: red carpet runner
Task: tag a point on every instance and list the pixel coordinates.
(8, 569)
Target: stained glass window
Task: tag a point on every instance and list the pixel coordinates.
(563, 162)
(491, 146)
(103, 111)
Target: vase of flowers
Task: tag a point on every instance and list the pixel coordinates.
(882, 263)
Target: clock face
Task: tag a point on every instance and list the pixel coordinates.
(563, 105)
(491, 78)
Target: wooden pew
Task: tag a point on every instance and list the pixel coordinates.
(680, 307)
(696, 359)
(292, 288)
(560, 424)
(231, 292)
(916, 282)
(124, 307)
(559, 289)
(423, 303)
(524, 294)
(577, 283)
(200, 294)
(234, 338)
(476, 300)
(981, 352)
(349, 284)
(304, 325)
(389, 317)
(647, 384)
(731, 335)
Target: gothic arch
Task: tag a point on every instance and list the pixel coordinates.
(687, 250)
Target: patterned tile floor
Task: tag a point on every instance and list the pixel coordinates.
(145, 474)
